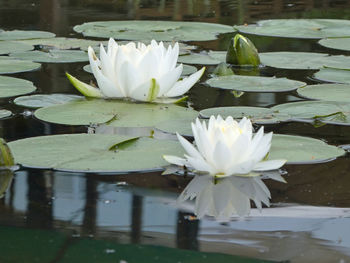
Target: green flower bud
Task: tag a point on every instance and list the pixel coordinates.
(223, 70)
(6, 158)
(242, 52)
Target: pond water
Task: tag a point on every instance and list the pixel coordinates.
(49, 216)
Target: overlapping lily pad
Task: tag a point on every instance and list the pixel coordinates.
(257, 115)
(181, 126)
(200, 59)
(303, 60)
(23, 34)
(45, 100)
(7, 47)
(158, 30)
(333, 75)
(330, 92)
(93, 153)
(298, 28)
(302, 150)
(330, 112)
(254, 84)
(5, 113)
(114, 112)
(10, 87)
(53, 56)
(336, 43)
(12, 65)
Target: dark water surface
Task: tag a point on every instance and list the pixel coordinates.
(51, 216)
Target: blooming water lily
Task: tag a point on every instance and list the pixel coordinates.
(136, 71)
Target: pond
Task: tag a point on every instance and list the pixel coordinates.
(66, 215)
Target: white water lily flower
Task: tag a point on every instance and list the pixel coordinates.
(226, 148)
(140, 72)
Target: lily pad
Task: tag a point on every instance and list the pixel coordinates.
(199, 59)
(302, 150)
(333, 75)
(298, 28)
(5, 113)
(181, 126)
(254, 84)
(10, 87)
(336, 43)
(117, 113)
(11, 65)
(328, 112)
(7, 47)
(22, 34)
(257, 115)
(330, 92)
(93, 153)
(45, 100)
(158, 30)
(53, 56)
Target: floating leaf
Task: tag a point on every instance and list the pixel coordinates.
(330, 92)
(298, 28)
(256, 114)
(45, 100)
(333, 75)
(53, 56)
(336, 43)
(11, 65)
(5, 114)
(199, 59)
(330, 112)
(181, 126)
(116, 113)
(22, 34)
(254, 84)
(302, 150)
(7, 47)
(158, 30)
(10, 87)
(91, 153)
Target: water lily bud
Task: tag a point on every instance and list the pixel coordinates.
(242, 52)
(223, 70)
(6, 158)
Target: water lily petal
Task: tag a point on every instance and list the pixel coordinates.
(175, 160)
(269, 165)
(168, 80)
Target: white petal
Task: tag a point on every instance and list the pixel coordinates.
(175, 160)
(221, 196)
(168, 80)
(269, 165)
(189, 148)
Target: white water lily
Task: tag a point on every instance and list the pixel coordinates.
(140, 72)
(226, 148)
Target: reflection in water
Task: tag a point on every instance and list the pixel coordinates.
(227, 196)
(5, 181)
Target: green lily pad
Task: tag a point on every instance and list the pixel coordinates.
(11, 65)
(62, 43)
(336, 43)
(45, 100)
(181, 126)
(7, 47)
(10, 87)
(199, 59)
(5, 114)
(330, 92)
(158, 30)
(333, 75)
(257, 115)
(329, 112)
(302, 150)
(53, 56)
(93, 153)
(117, 113)
(303, 60)
(298, 28)
(254, 84)
(22, 34)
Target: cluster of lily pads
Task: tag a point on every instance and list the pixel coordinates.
(106, 152)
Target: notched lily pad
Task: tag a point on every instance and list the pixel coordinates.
(102, 153)
(158, 30)
(5, 113)
(302, 150)
(53, 56)
(45, 100)
(11, 87)
(7, 47)
(23, 34)
(333, 75)
(114, 112)
(254, 84)
(10, 65)
(329, 92)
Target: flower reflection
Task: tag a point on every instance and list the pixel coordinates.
(224, 197)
